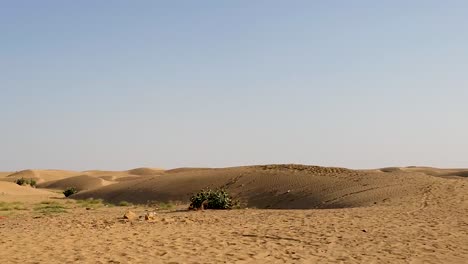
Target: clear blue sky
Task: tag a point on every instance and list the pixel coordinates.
(124, 84)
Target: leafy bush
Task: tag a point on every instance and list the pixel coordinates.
(33, 183)
(70, 191)
(21, 181)
(24, 181)
(212, 199)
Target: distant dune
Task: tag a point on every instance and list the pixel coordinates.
(438, 172)
(275, 186)
(82, 182)
(4, 174)
(42, 175)
(267, 186)
(145, 171)
(10, 188)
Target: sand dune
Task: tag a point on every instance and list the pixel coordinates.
(438, 172)
(82, 182)
(9, 188)
(12, 192)
(4, 174)
(41, 175)
(273, 186)
(145, 171)
(268, 186)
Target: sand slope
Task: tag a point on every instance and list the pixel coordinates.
(41, 175)
(9, 188)
(82, 182)
(12, 192)
(274, 186)
(145, 171)
(268, 186)
(438, 172)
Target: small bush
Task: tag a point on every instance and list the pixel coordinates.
(33, 183)
(24, 182)
(212, 199)
(70, 191)
(21, 181)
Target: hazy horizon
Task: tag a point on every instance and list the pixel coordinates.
(125, 84)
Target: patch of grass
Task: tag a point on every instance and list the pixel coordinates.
(91, 203)
(48, 202)
(165, 206)
(4, 206)
(124, 203)
(50, 207)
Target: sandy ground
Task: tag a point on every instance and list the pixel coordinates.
(387, 223)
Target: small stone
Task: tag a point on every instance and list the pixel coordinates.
(187, 221)
(150, 216)
(130, 215)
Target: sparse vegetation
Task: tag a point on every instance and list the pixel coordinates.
(4, 206)
(125, 203)
(70, 191)
(165, 206)
(212, 199)
(50, 207)
(23, 182)
(92, 203)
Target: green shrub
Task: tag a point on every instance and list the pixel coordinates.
(33, 183)
(70, 191)
(24, 182)
(212, 199)
(21, 181)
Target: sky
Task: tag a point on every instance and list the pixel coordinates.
(124, 84)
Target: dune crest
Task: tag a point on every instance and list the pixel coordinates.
(81, 182)
(145, 171)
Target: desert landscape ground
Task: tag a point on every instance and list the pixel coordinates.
(289, 214)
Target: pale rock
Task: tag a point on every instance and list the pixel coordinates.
(130, 215)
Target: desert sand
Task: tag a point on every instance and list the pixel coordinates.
(290, 214)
